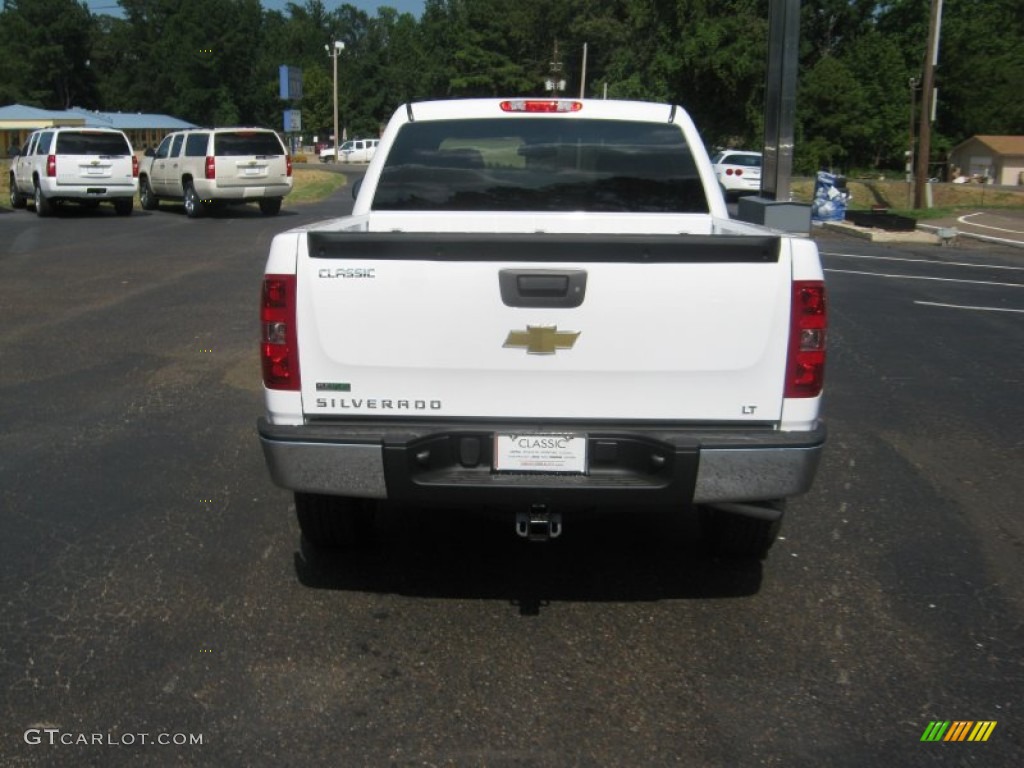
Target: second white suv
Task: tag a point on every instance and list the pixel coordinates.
(78, 165)
(218, 166)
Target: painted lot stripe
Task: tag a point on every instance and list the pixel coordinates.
(964, 306)
(922, 277)
(922, 261)
(964, 220)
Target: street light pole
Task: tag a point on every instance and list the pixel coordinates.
(924, 146)
(338, 48)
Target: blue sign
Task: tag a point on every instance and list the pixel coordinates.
(290, 81)
(292, 120)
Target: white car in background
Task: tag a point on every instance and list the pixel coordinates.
(355, 151)
(738, 172)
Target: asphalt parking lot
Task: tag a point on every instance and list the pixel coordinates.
(153, 581)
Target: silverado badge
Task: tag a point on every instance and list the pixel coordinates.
(541, 339)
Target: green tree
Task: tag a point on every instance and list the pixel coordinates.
(876, 64)
(828, 96)
(45, 54)
(980, 74)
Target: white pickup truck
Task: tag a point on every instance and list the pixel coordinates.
(540, 307)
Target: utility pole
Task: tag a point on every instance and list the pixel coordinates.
(927, 104)
(913, 82)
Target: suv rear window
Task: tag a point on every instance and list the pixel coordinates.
(91, 143)
(240, 143)
(540, 164)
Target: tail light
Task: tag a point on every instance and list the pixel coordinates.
(805, 369)
(733, 171)
(279, 349)
(211, 167)
(135, 166)
(51, 166)
(288, 165)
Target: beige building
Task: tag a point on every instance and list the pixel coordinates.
(17, 121)
(991, 159)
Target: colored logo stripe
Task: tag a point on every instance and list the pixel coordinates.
(982, 730)
(958, 730)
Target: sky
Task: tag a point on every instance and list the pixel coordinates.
(414, 7)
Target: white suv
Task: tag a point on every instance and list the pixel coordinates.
(218, 166)
(79, 165)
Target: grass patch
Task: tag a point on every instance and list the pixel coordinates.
(312, 186)
(948, 199)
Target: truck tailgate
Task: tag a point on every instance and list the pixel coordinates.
(687, 328)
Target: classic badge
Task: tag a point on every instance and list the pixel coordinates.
(541, 339)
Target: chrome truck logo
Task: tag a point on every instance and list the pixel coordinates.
(541, 339)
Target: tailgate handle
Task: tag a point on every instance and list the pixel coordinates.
(542, 287)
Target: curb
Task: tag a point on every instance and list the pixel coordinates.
(925, 234)
(884, 236)
(958, 233)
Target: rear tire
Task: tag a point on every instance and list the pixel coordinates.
(124, 205)
(269, 206)
(43, 205)
(18, 200)
(147, 199)
(732, 535)
(193, 205)
(334, 522)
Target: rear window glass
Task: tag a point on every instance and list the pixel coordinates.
(240, 143)
(540, 164)
(747, 161)
(92, 143)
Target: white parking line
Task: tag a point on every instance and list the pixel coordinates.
(921, 277)
(963, 220)
(921, 261)
(963, 306)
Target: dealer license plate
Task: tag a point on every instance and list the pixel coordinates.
(540, 453)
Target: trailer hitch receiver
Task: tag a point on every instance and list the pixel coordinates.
(539, 524)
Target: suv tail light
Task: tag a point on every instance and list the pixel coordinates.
(805, 368)
(279, 350)
(288, 165)
(51, 166)
(211, 167)
(135, 166)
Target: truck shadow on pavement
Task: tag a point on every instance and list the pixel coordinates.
(623, 557)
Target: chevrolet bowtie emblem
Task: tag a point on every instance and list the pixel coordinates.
(541, 339)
